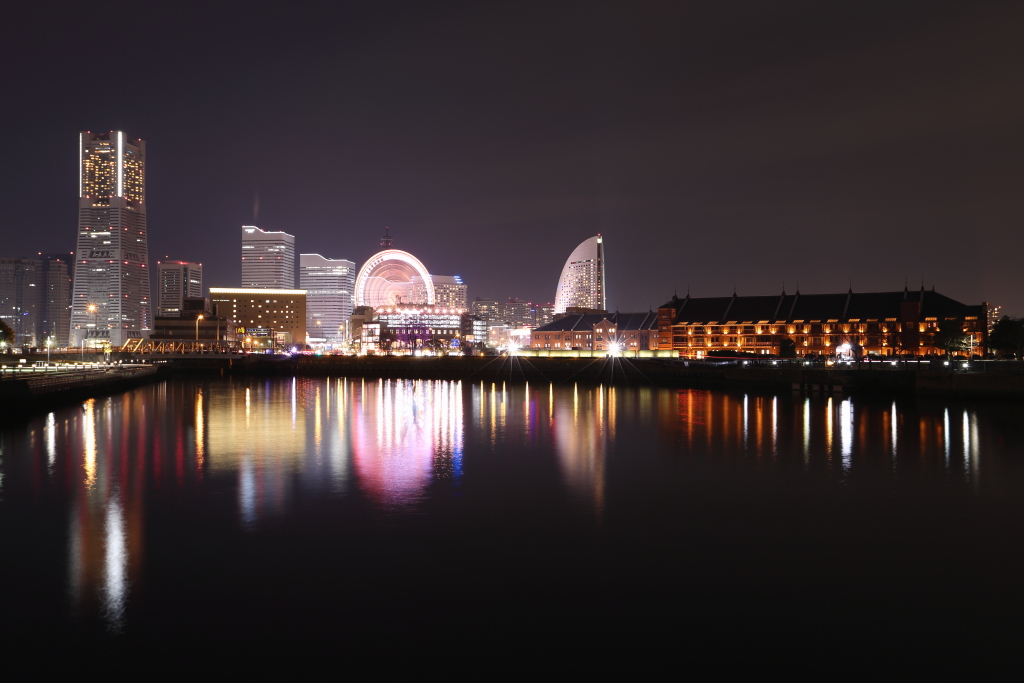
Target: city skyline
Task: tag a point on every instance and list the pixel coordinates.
(796, 143)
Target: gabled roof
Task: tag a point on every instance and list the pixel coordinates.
(622, 321)
(817, 307)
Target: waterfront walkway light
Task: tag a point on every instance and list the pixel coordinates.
(198, 318)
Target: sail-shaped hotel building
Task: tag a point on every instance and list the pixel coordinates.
(582, 282)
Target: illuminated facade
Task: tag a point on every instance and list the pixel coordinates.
(883, 323)
(328, 284)
(276, 313)
(177, 280)
(111, 299)
(55, 298)
(409, 326)
(391, 277)
(20, 297)
(581, 284)
(449, 290)
(599, 332)
(268, 259)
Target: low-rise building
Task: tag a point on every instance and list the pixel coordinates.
(622, 332)
(280, 312)
(883, 323)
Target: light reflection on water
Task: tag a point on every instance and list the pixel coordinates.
(397, 445)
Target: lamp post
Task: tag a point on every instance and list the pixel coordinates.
(92, 309)
(198, 318)
(49, 343)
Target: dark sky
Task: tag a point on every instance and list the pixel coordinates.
(714, 144)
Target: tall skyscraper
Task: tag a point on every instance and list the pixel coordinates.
(177, 280)
(582, 282)
(328, 284)
(268, 259)
(111, 300)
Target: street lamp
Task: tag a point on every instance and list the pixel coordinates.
(198, 318)
(49, 343)
(92, 309)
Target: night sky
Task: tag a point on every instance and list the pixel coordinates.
(714, 144)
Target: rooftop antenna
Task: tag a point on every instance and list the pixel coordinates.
(386, 240)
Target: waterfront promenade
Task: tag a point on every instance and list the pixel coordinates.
(31, 388)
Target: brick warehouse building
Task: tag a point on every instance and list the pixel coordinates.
(596, 331)
(884, 323)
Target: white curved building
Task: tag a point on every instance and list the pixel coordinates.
(393, 277)
(582, 282)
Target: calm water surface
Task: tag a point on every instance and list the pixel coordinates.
(437, 515)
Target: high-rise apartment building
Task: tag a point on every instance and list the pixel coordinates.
(449, 291)
(485, 309)
(268, 259)
(54, 320)
(111, 299)
(176, 281)
(581, 284)
(20, 297)
(328, 284)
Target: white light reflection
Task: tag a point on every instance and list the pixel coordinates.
(293, 403)
(892, 430)
(846, 432)
(745, 418)
(775, 425)
(945, 435)
(807, 431)
(51, 441)
(115, 565)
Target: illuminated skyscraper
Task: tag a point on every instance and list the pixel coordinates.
(582, 282)
(268, 259)
(176, 281)
(111, 301)
(328, 284)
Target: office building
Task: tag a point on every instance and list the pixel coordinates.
(54, 320)
(329, 284)
(268, 259)
(882, 323)
(20, 297)
(449, 290)
(485, 309)
(581, 284)
(110, 298)
(275, 317)
(176, 281)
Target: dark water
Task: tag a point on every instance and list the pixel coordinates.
(402, 517)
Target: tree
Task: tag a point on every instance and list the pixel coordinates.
(6, 333)
(951, 338)
(1008, 335)
(787, 347)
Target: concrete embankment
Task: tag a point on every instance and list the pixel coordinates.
(1002, 381)
(26, 393)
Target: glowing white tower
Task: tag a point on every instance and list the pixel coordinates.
(582, 282)
(111, 301)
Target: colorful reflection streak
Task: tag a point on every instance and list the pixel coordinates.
(834, 433)
(255, 455)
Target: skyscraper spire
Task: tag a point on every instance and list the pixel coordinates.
(386, 240)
